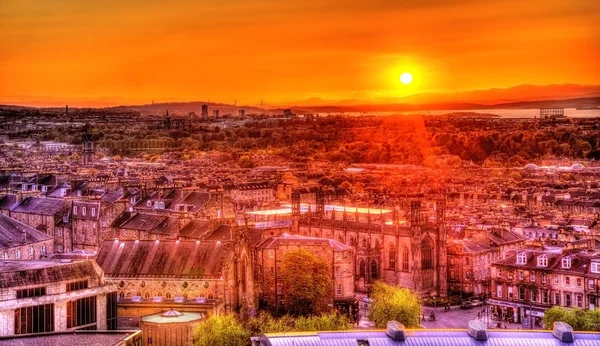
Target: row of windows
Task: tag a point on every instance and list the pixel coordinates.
(544, 278)
(31, 292)
(30, 252)
(81, 312)
(83, 211)
(77, 285)
(542, 260)
(543, 296)
(168, 295)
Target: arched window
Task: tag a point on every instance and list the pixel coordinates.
(210, 296)
(521, 258)
(542, 261)
(185, 296)
(139, 294)
(374, 270)
(352, 241)
(18, 254)
(43, 249)
(122, 294)
(31, 252)
(362, 268)
(427, 255)
(147, 295)
(168, 295)
(405, 259)
(392, 257)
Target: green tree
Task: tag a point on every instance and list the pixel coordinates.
(307, 282)
(222, 330)
(391, 303)
(579, 319)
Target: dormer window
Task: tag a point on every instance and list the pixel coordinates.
(44, 188)
(542, 261)
(595, 267)
(149, 204)
(522, 258)
(566, 262)
(75, 210)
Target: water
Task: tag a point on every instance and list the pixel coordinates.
(502, 112)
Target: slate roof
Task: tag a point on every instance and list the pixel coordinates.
(39, 272)
(7, 201)
(289, 239)
(13, 229)
(426, 338)
(196, 229)
(148, 258)
(40, 206)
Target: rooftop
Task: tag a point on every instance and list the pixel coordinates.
(88, 338)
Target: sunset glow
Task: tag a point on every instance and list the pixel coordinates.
(115, 52)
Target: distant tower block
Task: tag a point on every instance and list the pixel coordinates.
(88, 150)
(242, 112)
(204, 112)
(216, 113)
(552, 113)
(288, 113)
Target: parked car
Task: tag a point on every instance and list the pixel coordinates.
(476, 302)
(466, 305)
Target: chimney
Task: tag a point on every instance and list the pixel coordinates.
(10, 242)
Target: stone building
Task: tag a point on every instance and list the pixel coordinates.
(528, 282)
(208, 276)
(39, 296)
(91, 220)
(170, 328)
(48, 215)
(412, 255)
(271, 252)
(19, 241)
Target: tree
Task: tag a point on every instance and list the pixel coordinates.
(579, 319)
(307, 282)
(390, 303)
(222, 330)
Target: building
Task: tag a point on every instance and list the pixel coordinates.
(412, 256)
(48, 215)
(527, 282)
(19, 241)
(255, 191)
(270, 253)
(477, 334)
(40, 296)
(208, 276)
(170, 328)
(77, 337)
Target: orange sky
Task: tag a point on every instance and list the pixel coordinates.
(135, 51)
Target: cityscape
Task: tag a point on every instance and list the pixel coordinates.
(258, 173)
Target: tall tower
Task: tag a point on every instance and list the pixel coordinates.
(88, 150)
(442, 267)
(415, 241)
(204, 112)
(295, 212)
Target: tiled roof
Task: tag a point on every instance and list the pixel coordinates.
(40, 206)
(147, 258)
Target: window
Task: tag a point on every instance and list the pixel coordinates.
(81, 312)
(405, 259)
(74, 210)
(44, 188)
(30, 252)
(520, 275)
(521, 258)
(18, 256)
(595, 267)
(544, 278)
(374, 270)
(392, 257)
(556, 279)
(362, 268)
(31, 292)
(567, 299)
(271, 253)
(579, 301)
(5, 255)
(427, 253)
(591, 284)
(34, 319)
(533, 295)
(83, 211)
(93, 211)
(567, 281)
(579, 282)
(77, 285)
(542, 261)
(467, 261)
(545, 297)
(111, 311)
(532, 277)
(556, 298)
(149, 204)
(510, 274)
(510, 292)
(566, 262)
(499, 291)
(521, 293)
(499, 272)
(338, 289)
(338, 271)
(338, 256)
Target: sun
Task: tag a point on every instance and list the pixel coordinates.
(406, 78)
